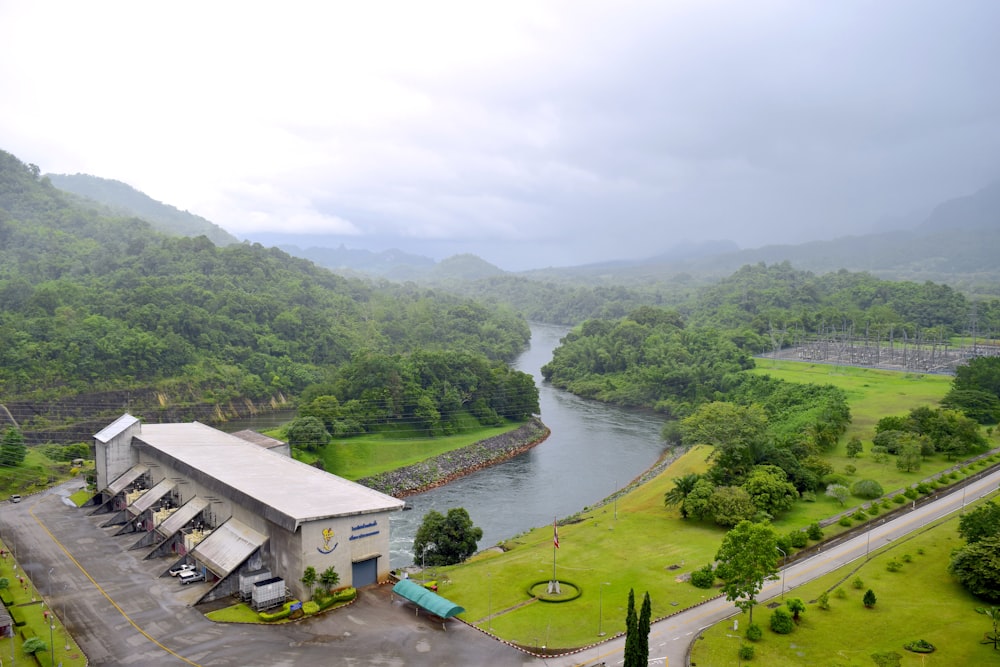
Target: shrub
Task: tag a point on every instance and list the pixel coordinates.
(781, 622)
(874, 509)
(283, 613)
(823, 602)
(919, 646)
(836, 478)
(907, 558)
(911, 493)
(894, 565)
(798, 539)
(33, 646)
(840, 593)
(845, 521)
(923, 488)
(345, 594)
(869, 489)
(814, 532)
(858, 583)
(746, 652)
(850, 469)
(869, 600)
(703, 578)
(899, 499)
(860, 515)
(310, 607)
(754, 633)
(809, 496)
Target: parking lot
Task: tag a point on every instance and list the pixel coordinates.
(121, 611)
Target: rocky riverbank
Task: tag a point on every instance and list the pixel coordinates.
(442, 469)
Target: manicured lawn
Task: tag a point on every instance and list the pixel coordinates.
(921, 601)
(363, 456)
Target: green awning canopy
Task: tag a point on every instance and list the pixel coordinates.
(426, 599)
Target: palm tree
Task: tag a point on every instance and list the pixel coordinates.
(682, 487)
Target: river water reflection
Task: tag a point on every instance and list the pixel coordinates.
(593, 450)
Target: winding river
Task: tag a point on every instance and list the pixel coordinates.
(594, 449)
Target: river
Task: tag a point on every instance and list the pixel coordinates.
(593, 450)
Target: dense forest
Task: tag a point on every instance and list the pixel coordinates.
(92, 303)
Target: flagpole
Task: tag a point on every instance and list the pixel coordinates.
(554, 584)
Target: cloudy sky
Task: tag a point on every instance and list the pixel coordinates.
(530, 133)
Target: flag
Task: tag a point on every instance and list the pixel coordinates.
(555, 534)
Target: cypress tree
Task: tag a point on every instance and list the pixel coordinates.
(631, 634)
(642, 638)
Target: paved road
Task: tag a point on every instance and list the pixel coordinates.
(122, 613)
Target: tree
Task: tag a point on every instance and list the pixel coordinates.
(839, 492)
(678, 494)
(747, 558)
(736, 434)
(980, 523)
(446, 540)
(796, 606)
(977, 567)
(696, 504)
(643, 630)
(909, 458)
(854, 447)
(994, 615)
(631, 633)
(770, 490)
(869, 599)
(309, 433)
(731, 504)
(12, 448)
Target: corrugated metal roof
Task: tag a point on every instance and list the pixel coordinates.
(126, 478)
(429, 600)
(228, 546)
(179, 519)
(258, 477)
(116, 427)
(148, 499)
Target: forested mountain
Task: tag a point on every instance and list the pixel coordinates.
(126, 201)
(90, 303)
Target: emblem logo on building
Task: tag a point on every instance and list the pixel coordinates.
(328, 535)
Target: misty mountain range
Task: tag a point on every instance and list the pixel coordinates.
(958, 242)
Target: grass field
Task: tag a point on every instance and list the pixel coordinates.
(363, 456)
(638, 543)
(921, 601)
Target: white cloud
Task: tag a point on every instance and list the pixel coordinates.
(530, 133)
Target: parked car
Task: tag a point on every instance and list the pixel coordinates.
(178, 569)
(190, 576)
(15, 498)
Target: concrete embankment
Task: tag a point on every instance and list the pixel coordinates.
(452, 465)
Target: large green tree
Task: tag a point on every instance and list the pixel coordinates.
(736, 433)
(747, 558)
(980, 523)
(446, 540)
(977, 567)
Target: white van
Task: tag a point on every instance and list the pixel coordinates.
(190, 576)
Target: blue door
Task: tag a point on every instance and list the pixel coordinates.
(365, 572)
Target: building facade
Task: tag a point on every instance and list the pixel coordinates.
(234, 504)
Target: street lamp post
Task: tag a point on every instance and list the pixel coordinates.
(52, 646)
(600, 609)
(784, 560)
(489, 617)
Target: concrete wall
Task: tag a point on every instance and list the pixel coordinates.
(113, 458)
